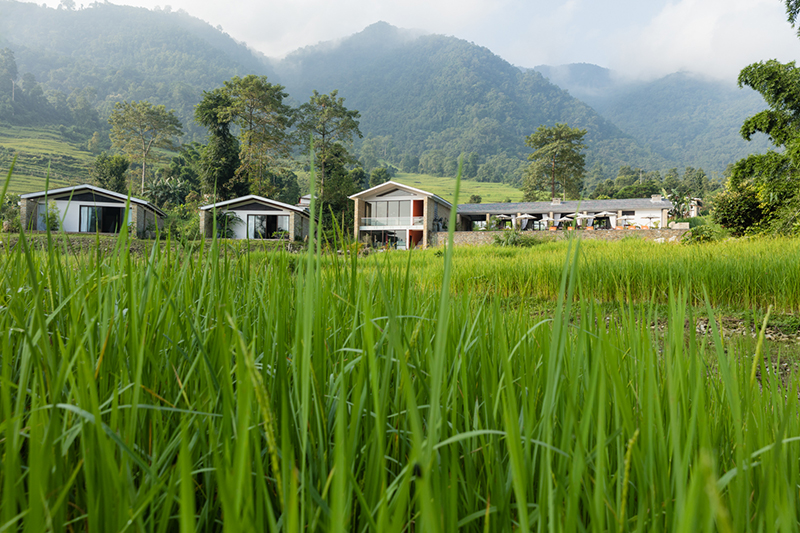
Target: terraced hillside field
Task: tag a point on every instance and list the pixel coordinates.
(37, 150)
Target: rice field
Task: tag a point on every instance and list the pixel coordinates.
(741, 274)
(194, 389)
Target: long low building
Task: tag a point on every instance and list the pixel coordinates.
(632, 212)
(397, 215)
(89, 209)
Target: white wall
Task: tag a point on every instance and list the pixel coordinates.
(70, 212)
(640, 215)
(240, 230)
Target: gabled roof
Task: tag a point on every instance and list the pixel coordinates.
(630, 204)
(394, 185)
(257, 198)
(99, 190)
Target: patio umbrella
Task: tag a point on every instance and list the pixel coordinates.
(526, 216)
(503, 217)
(603, 214)
(626, 218)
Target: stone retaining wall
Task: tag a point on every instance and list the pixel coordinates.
(474, 238)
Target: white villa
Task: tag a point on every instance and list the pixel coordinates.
(399, 215)
(257, 217)
(89, 209)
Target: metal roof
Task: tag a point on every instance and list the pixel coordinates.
(98, 190)
(257, 198)
(390, 183)
(572, 206)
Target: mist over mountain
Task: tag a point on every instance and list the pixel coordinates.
(111, 53)
(686, 118)
(433, 93)
(429, 98)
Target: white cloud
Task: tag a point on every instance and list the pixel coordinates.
(641, 38)
(713, 37)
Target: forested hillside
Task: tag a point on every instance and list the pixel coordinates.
(107, 53)
(438, 97)
(424, 100)
(687, 119)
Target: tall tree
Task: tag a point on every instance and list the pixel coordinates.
(8, 73)
(109, 172)
(325, 118)
(557, 160)
(138, 127)
(219, 159)
(257, 107)
(774, 177)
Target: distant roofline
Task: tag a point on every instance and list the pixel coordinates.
(258, 198)
(96, 189)
(570, 206)
(390, 183)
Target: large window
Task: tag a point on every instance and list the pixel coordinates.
(267, 226)
(391, 209)
(102, 219)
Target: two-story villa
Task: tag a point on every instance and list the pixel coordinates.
(399, 215)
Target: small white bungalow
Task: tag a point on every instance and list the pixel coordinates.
(399, 215)
(257, 217)
(89, 209)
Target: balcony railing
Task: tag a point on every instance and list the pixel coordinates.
(393, 221)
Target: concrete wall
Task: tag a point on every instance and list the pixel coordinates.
(475, 238)
(360, 212)
(28, 214)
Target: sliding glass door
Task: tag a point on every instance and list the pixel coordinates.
(267, 226)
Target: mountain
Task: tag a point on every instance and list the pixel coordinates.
(425, 99)
(685, 118)
(444, 95)
(108, 53)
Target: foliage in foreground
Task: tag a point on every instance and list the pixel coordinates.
(216, 393)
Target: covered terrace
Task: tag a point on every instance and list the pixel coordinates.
(576, 214)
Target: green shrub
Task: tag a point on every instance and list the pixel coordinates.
(693, 221)
(737, 210)
(518, 239)
(705, 233)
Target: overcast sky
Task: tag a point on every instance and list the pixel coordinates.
(639, 38)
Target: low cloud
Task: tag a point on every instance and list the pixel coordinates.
(712, 37)
(640, 39)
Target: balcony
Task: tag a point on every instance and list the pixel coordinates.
(392, 221)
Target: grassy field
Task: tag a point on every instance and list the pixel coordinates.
(38, 149)
(202, 389)
(444, 187)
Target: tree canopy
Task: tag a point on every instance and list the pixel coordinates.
(557, 161)
(219, 159)
(771, 179)
(325, 122)
(138, 127)
(109, 172)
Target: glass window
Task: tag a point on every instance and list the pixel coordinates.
(405, 208)
(283, 223)
(257, 226)
(266, 226)
(90, 217)
(380, 209)
(394, 209)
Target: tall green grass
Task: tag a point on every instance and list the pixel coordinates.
(739, 273)
(207, 391)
